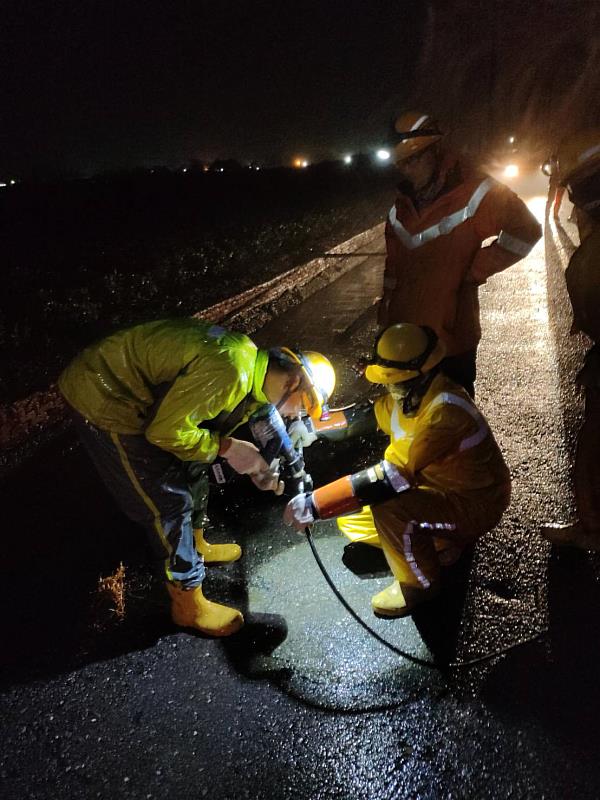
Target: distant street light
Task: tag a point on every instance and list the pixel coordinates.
(347, 159)
(383, 155)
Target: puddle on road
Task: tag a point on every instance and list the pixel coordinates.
(300, 636)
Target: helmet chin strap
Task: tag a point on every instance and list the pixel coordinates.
(283, 400)
(401, 390)
(287, 394)
(412, 391)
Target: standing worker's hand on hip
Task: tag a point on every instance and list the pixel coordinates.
(299, 512)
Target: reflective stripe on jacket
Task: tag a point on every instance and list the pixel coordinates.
(164, 379)
(447, 445)
(435, 259)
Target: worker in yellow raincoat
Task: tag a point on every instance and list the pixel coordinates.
(441, 484)
(154, 405)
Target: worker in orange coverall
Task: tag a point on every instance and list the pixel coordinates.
(444, 211)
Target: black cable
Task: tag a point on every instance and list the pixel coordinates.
(415, 659)
(408, 656)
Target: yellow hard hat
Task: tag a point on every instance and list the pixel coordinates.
(415, 132)
(578, 156)
(318, 380)
(404, 351)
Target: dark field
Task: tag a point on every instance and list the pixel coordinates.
(82, 258)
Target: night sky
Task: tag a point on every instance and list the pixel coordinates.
(88, 86)
(97, 84)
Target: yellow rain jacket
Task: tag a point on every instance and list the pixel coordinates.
(175, 381)
(448, 454)
(447, 444)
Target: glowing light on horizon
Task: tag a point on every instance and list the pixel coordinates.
(347, 159)
(383, 155)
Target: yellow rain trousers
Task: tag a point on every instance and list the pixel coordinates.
(460, 484)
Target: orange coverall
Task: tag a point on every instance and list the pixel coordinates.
(435, 259)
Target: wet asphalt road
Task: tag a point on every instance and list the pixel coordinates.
(303, 703)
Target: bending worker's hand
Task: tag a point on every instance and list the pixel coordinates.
(245, 458)
(269, 481)
(299, 512)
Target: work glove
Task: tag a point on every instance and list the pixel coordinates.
(244, 457)
(299, 512)
(301, 433)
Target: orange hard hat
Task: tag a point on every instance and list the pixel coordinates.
(415, 132)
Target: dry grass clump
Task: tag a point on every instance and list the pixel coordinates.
(110, 597)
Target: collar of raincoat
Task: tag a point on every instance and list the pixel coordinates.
(260, 371)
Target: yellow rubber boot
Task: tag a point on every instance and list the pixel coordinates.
(216, 553)
(400, 601)
(190, 609)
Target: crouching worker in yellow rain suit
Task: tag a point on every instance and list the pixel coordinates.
(442, 482)
(154, 405)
